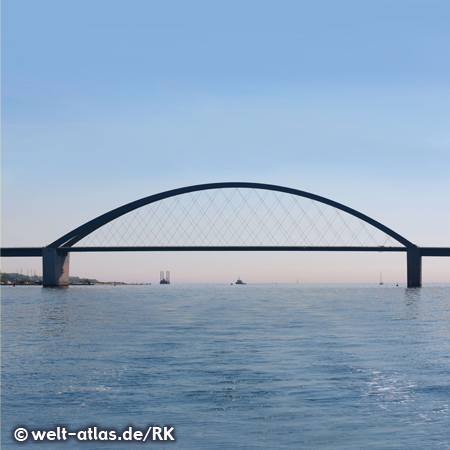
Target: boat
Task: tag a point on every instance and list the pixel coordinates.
(239, 281)
(381, 280)
(164, 279)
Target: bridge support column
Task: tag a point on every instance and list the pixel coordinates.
(55, 267)
(414, 267)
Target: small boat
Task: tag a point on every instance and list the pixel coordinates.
(381, 280)
(239, 281)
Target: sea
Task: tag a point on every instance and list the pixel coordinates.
(268, 366)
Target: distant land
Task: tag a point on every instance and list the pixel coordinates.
(18, 278)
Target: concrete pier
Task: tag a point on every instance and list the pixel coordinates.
(414, 267)
(55, 267)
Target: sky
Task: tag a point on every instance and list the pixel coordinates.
(106, 102)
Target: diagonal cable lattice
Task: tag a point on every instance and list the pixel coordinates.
(237, 217)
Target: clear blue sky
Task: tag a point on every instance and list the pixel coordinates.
(105, 102)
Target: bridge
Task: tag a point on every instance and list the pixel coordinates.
(233, 216)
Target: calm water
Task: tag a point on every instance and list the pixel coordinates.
(231, 367)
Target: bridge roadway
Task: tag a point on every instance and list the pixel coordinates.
(38, 251)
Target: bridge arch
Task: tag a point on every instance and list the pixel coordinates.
(70, 239)
(56, 255)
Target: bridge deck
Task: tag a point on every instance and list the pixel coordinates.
(37, 251)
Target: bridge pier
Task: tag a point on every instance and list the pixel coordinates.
(414, 267)
(55, 267)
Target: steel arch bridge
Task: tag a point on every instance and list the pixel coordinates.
(232, 216)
